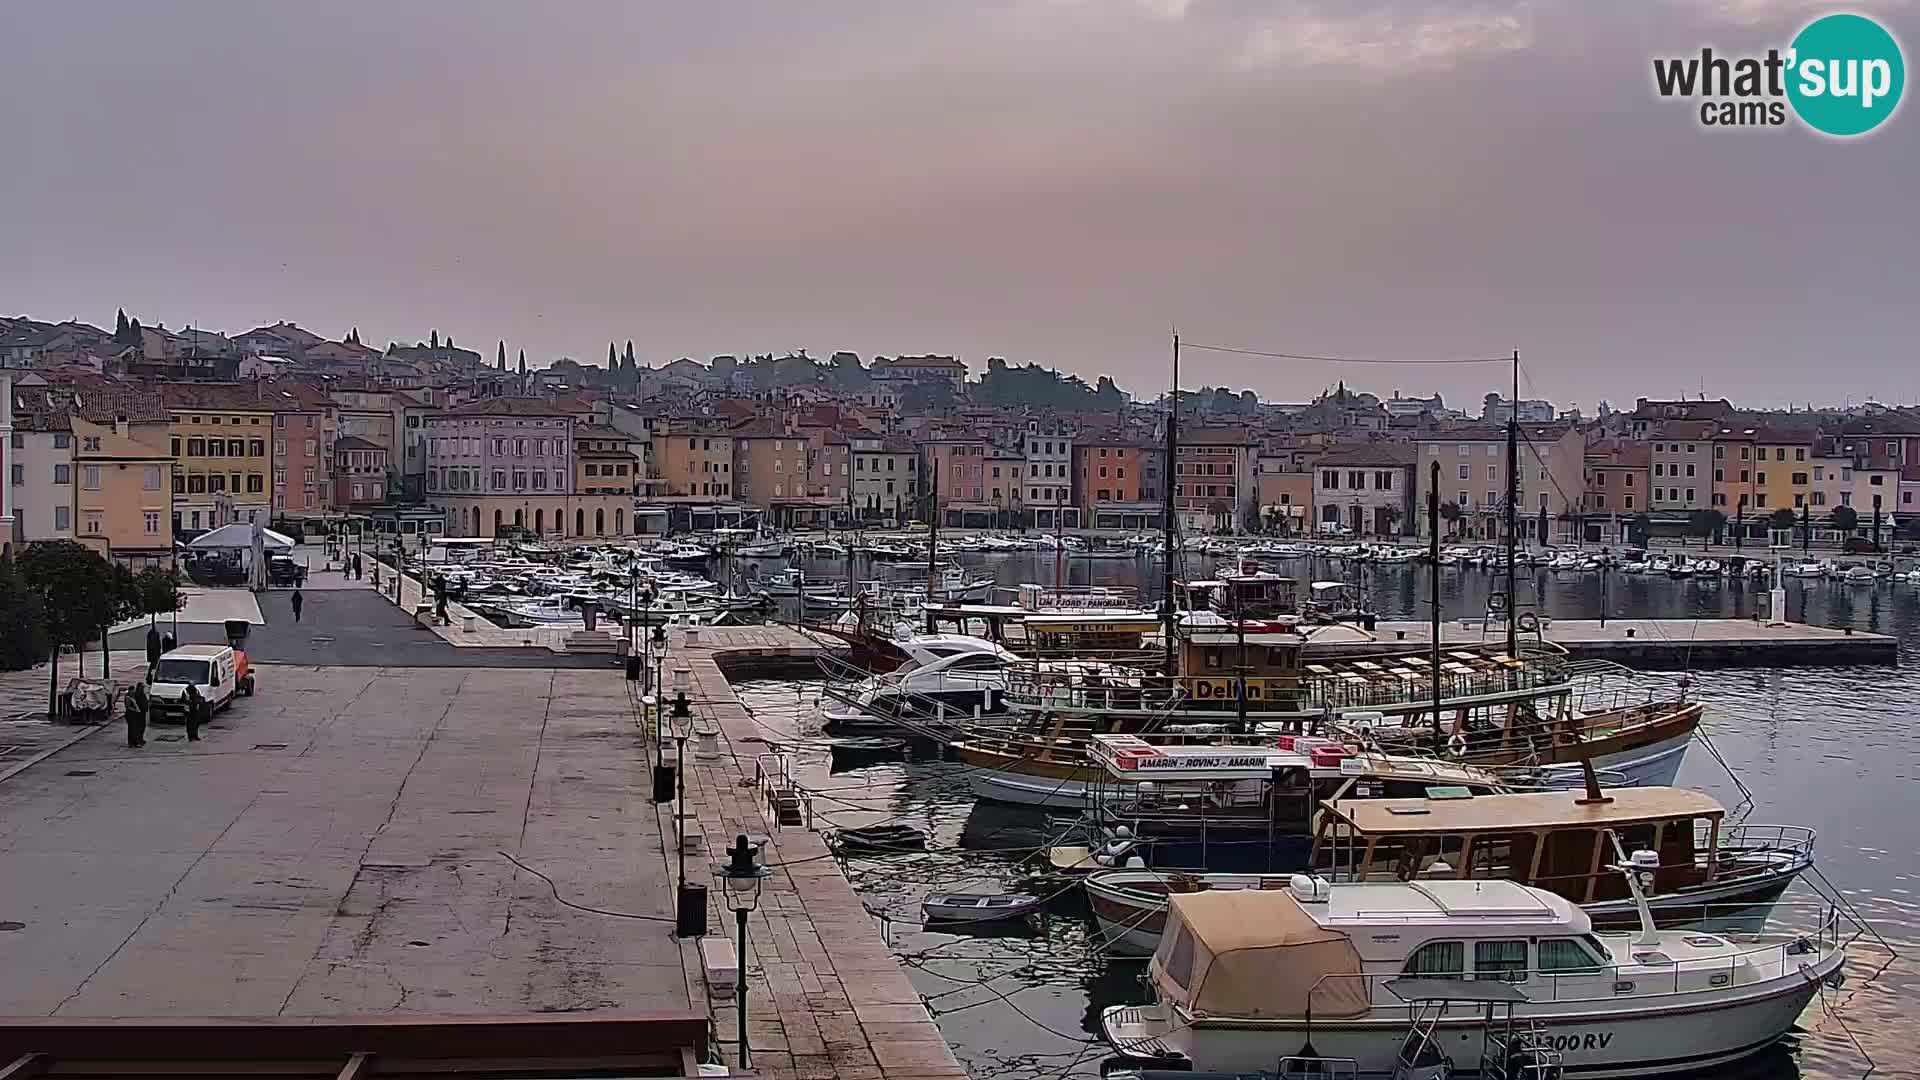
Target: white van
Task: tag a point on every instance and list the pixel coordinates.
(215, 670)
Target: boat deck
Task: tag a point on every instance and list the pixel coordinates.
(1651, 644)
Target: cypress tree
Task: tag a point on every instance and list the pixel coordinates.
(502, 354)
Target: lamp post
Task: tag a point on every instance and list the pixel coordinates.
(740, 877)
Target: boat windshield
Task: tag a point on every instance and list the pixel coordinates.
(181, 670)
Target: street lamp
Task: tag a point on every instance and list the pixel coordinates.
(740, 877)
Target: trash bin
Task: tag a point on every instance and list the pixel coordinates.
(691, 915)
(590, 615)
(633, 667)
(663, 783)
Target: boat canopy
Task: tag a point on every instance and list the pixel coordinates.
(1522, 812)
(1256, 954)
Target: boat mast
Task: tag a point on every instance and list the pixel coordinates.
(1433, 552)
(853, 583)
(933, 540)
(1168, 616)
(1513, 508)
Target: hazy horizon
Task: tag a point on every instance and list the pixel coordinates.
(1060, 182)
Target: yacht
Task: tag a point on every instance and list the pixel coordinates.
(1458, 968)
(946, 679)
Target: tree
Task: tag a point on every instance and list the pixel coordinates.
(613, 357)
(1394, 516)
(1781, 520)
(1706, 524)
(77, 594)
(501, 361)
(156, 592)
(433, 339)
(523, 361)
(120, 326)
(1845, 518)
(1639, 527)
(1451, 513)
(23, 630)
(627, 357)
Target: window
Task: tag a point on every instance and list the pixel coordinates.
(308, 448)
(1543, 498)
(153, 522)
(1846, 498)
(256, 483)
(1437, 960)
(499, 480)
(1500, 960)
(1799, 453)
(1599, 502)
(90, 477)
(19, 474)
(1760, 500)
(1567, 956)
(236, 448)
(151, 479)
(1799, 478)
(1330, 479)
(256, 448)
(1720, 452)
(62, 440)
(1466, 472)
(1626, 502)
(1493, 472)
(1629, 479)
(216, 483)
(1659, 469)
(1760, 476)
(1819, 498)
(307, 479)
(62, 519)
(1719, 475)
(195, 447)
(63, 474)
(1491, 500)
(1120, 472)
(1689, 469)
(1875, 480)
(1745, 452)
(1461, 501)
(1799, 501)
(1464, 449)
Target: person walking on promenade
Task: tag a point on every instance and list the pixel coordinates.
(298, 602)
(137, 715)
(153, 648)
(194, 703)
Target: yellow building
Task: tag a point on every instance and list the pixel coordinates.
(1757, 471)
(221, 438)
(695, 462)
(122, 494)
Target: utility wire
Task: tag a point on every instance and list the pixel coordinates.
(1341, 359)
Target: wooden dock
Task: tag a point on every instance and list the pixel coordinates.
(1650, 644)
(826, 998)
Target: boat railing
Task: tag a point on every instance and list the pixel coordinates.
(1639, 981)
(1794, 840)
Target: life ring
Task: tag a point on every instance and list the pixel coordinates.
(1457, 743)
(1497, 602)
(1528, 621)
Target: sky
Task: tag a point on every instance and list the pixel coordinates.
(1061, 182)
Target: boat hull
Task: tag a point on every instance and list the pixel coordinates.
(1691, 1031)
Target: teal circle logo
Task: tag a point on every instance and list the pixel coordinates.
(1845, 74)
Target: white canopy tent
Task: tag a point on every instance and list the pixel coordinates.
(240, 535)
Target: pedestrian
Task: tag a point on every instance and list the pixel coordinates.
(137, 701)
(440, 598)
(298, 602)
(153, 647)
(193, 703)
(359, 567)
(167, 644)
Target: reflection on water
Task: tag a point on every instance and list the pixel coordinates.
(1831, 748)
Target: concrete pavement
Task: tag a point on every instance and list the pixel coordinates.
(333, 847)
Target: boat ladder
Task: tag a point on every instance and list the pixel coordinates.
(1516, 1049)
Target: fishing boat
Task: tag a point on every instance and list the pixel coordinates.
(1245, 978)
(1532, 709)
(880, 839)
(1710, 871)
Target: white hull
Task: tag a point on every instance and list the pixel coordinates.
(1021, 790)
(1680, 1033)
(1642, 766)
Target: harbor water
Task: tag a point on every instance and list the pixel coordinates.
(1831, 748)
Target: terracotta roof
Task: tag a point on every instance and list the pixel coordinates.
(1368, 454)
(354, 442)
(232, 396)
(599, 431)
(508, 406)
(1216, 436)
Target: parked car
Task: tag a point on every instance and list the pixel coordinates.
(1860, 545)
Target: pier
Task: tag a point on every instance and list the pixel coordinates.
(1648, 644)
(405, 833)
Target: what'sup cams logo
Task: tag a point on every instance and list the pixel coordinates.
(1842, 76)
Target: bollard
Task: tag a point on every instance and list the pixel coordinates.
(693, 634)
(467, 623)
(706, 745)
(1629, 631)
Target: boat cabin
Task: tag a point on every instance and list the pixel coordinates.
(1243, 593)
(1114, 635)
(1557, 840)
(1215, 664)
(1199, 801)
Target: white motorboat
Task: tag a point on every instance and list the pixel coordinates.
(1806, 570)
(770, 549)
(1634, 566)
(1707, 568)
(1245, 978)
(1858, 575)
(947, 679)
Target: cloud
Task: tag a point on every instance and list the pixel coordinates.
(1381, 43)
(1767, 13)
